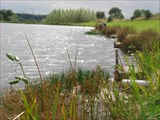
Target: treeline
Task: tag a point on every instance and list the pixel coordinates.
(141, 13)
(7, 15)
(10, 16)
(26, 17)
(65, 16)
(69, 16)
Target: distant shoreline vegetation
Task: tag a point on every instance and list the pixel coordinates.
(65, 16)
(8, 16)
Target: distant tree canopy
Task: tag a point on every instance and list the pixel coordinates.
(61, 16)
(110, 19)
(141, 13)
(25, 17)
(148, 14)
(9, 16)
(116, 13)
(6, 14)
(137, 13)
(100, 14)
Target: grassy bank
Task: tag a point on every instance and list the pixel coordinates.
(132, 35)
(139, 25)
(88, 95)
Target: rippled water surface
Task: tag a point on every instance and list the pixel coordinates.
(49, 44)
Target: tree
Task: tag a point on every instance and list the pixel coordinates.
(143, 12)
(110, 19)
(1, 17)
(148, 14)
(7, 14)
(100, 14)
(137, 13)
(115, 12)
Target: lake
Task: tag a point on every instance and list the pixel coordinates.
(50, 44)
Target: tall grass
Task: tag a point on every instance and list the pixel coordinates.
(61, 16)
(132, 40)
(89, 95)
(64, 99)
(140, 41)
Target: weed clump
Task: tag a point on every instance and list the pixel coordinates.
(140, 41)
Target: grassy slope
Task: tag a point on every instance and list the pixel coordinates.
(139, 25)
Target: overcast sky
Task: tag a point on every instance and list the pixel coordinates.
(46, 6)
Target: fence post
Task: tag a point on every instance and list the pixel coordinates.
(116, 51)
(116, 72)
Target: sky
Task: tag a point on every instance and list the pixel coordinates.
(46, 6)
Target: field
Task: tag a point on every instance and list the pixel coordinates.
(139, 25)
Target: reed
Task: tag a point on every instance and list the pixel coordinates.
(70, 16)
(89, 95)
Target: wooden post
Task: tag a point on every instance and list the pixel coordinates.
(116, 51)
(116, 73)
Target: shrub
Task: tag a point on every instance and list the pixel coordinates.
(111, 30)
(129, 42)
(122, 32)
(140, 41)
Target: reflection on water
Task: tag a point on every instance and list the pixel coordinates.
(49, 44)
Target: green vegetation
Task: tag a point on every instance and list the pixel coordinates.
(115, 13)
(140, 41)
(100, 15)
(141, 13)
(139, 25)
(131, 40)
(7, 15)
(10, 16)
(89, 95)
(156, 17)
(93, 32)
(70, 16)
(30, 18)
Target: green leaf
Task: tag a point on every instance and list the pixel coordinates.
(55, 105)
(14, 82)
(33, 106)
(10, 56)
(26, 104)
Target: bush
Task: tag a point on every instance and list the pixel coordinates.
(100, 14)
(111, 30)
(140, 41)
(122, 32)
